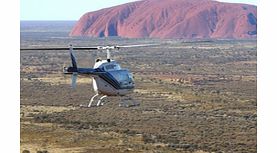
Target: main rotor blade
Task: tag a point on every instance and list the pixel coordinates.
(90, 48)
(61, 48)
(140, 45)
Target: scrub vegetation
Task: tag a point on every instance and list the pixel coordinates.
(195, 96)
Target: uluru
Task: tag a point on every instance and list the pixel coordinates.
(171, 19)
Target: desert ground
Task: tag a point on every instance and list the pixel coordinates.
(195, 96)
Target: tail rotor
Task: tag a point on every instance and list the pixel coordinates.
(73, 69)
(72, 56)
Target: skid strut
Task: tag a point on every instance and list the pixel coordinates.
(99, 101)
(94, 99)
(91, 100)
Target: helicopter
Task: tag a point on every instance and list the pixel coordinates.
(108, 78)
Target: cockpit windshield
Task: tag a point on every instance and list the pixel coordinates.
(124, 78)
(112, 67)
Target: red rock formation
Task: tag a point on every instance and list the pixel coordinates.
(171, 19)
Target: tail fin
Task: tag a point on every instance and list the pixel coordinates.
(73, 58)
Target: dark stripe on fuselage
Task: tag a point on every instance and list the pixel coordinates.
(106, 76)
(110, 79)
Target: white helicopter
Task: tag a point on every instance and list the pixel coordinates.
(108, 78)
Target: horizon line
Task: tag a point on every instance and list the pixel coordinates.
(48, 20)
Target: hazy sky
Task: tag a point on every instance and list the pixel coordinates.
(73, 9)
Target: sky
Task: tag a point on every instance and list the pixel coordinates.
(74, 9)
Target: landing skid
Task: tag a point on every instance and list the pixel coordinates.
(94, 99)
(124, 101)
